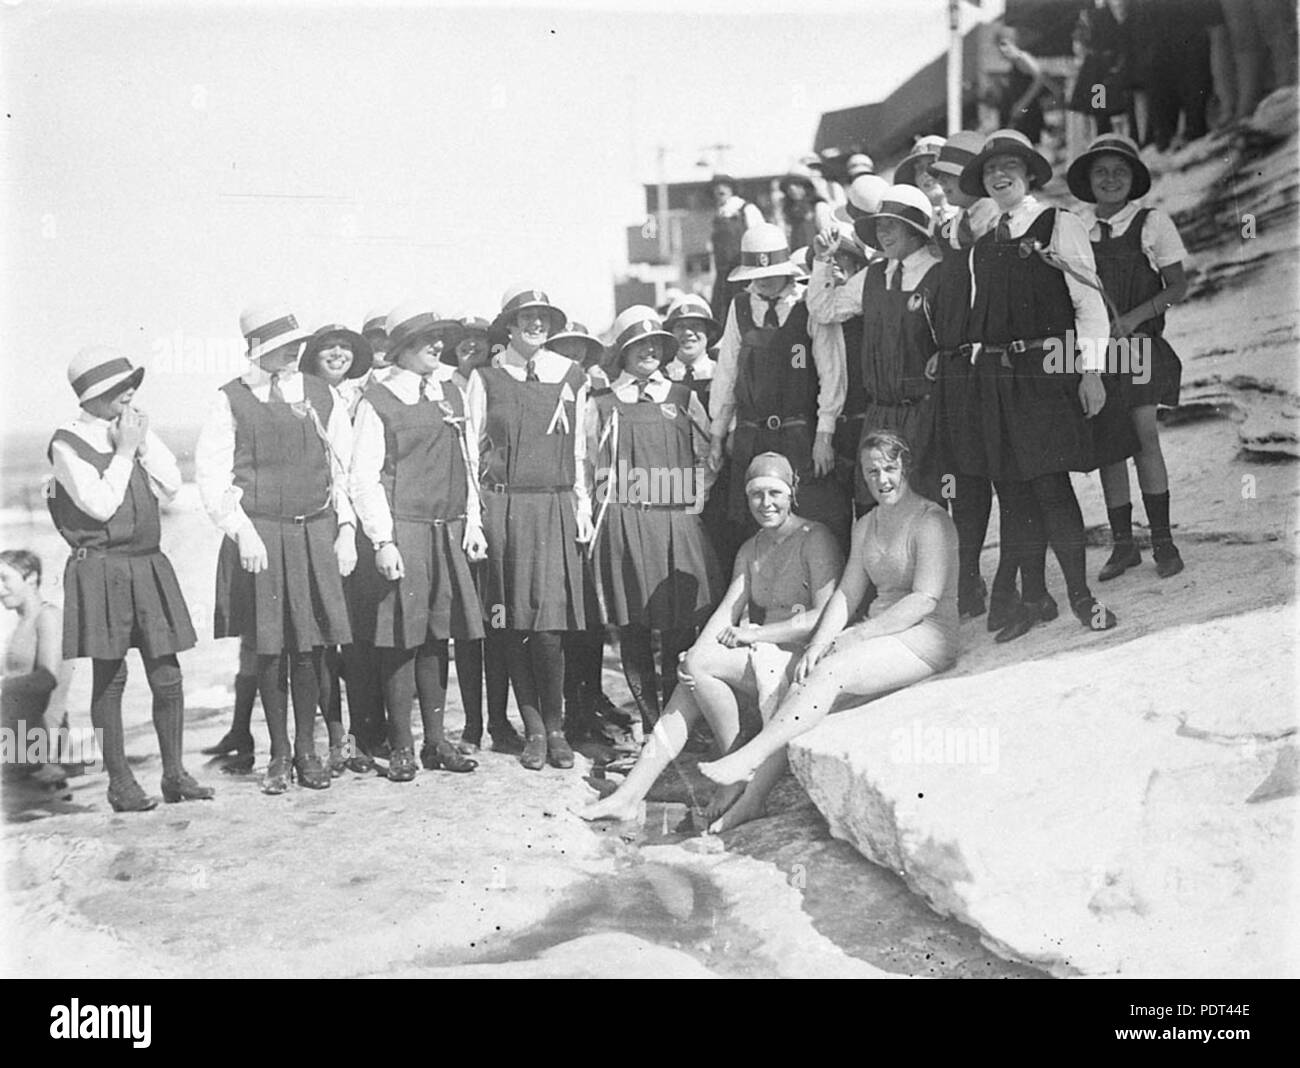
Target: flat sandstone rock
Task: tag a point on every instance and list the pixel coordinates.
(1125, 812)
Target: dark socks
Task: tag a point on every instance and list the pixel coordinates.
(1157, 509)
(1004, 579)
(397, 675)
(496, 678)
(971, 505)
(108, 681)
(365, 694)
(331, 692)
(1033, 557)
(1064, 523)
(431, 661)
(304, 684)
(639, 670)
(1121, 523)
(469, 679)
(274, 690)
(245, 697)
(168, 689)
(528, 686)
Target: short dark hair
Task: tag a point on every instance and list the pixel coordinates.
(24, 561)
(893, 445)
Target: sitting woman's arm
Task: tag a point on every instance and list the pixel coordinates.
(936, 547)
(843, 603)
(732, 606)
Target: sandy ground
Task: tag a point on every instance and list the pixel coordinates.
(490, 875)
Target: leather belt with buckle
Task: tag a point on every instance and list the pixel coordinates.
(84, 551)
(775, 422)
(297, 520)
(503, 487)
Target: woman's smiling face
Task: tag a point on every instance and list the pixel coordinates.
(1111, 178)
(334, 360)
(770, 500)
(1006, 180)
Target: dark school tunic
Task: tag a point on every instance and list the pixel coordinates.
(282, 468)
(958, 437)
(120, 592)
(655, 565)
(426, 484)
(535, 571)
(1129, 279)
(776, 411)
(1030, 419)
(897, 342)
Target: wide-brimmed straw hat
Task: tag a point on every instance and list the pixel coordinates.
(375, 322)
(362, 353)
(633, 324)
(865, 193)
(1004, 143)
(267, 327)
(906, 203)
(413, 321)
(1108, 145)
(958, 150)
(476, 326)
(694, 307)
(516, 300)
(102, 372)
(764, 253)
(573, 331)
(925, 149)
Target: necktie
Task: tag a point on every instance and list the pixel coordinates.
(965, 235)
(642, 387)
(1003, 232)
(688, 376)
(770, 318)
(1105, 230)
(530, 372)
(426, 384)
(896, 282)
(276, 394)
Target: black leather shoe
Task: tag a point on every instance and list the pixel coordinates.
(1002, 609)
(1122, 557)
(446, 755)
(230, 743)
(130, 797)
(1092, 613)
(185, 788)
(311, 773)
(402, 766)
(239, 764)
(506, 740)
(276, 779)
(534, 755)
(1168, 560)
(558, 752)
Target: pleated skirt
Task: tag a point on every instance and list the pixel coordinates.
(297, 602)
(112, 603)
(435, 598)
(534, 575)
(656, 568)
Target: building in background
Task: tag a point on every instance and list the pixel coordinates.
(670, 249)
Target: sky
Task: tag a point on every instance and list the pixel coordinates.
(163, 166)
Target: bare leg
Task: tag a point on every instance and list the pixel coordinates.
(663, 746)
(874, 666)
(1153, 476)
(753, 794)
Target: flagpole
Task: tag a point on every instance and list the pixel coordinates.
(954, 66)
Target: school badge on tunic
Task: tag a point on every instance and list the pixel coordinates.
(669, 409)
(914, 301)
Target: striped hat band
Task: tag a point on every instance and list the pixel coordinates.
(764, 259)
(906, 212)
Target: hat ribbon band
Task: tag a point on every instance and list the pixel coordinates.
(97, 374)
(272, 330)
(764, 259)
(905, 211)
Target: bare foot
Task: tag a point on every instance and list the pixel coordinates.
(733, 768)
(723, 798)
(610, 808)
(744, 810)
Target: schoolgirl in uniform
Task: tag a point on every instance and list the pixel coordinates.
(895, 307)
(648, 440)
(1140, 263)
(1031, 407)
(781, 377)
(972, 494)
(418, 506)
(586, 708)
(271, 464)
(342, 358)
(690, 320)
(120, 592)
(525, 415)
(481, 664)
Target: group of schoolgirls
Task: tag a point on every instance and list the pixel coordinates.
(483, 494)
(956, 352)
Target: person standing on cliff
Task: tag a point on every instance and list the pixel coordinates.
(732, 216)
